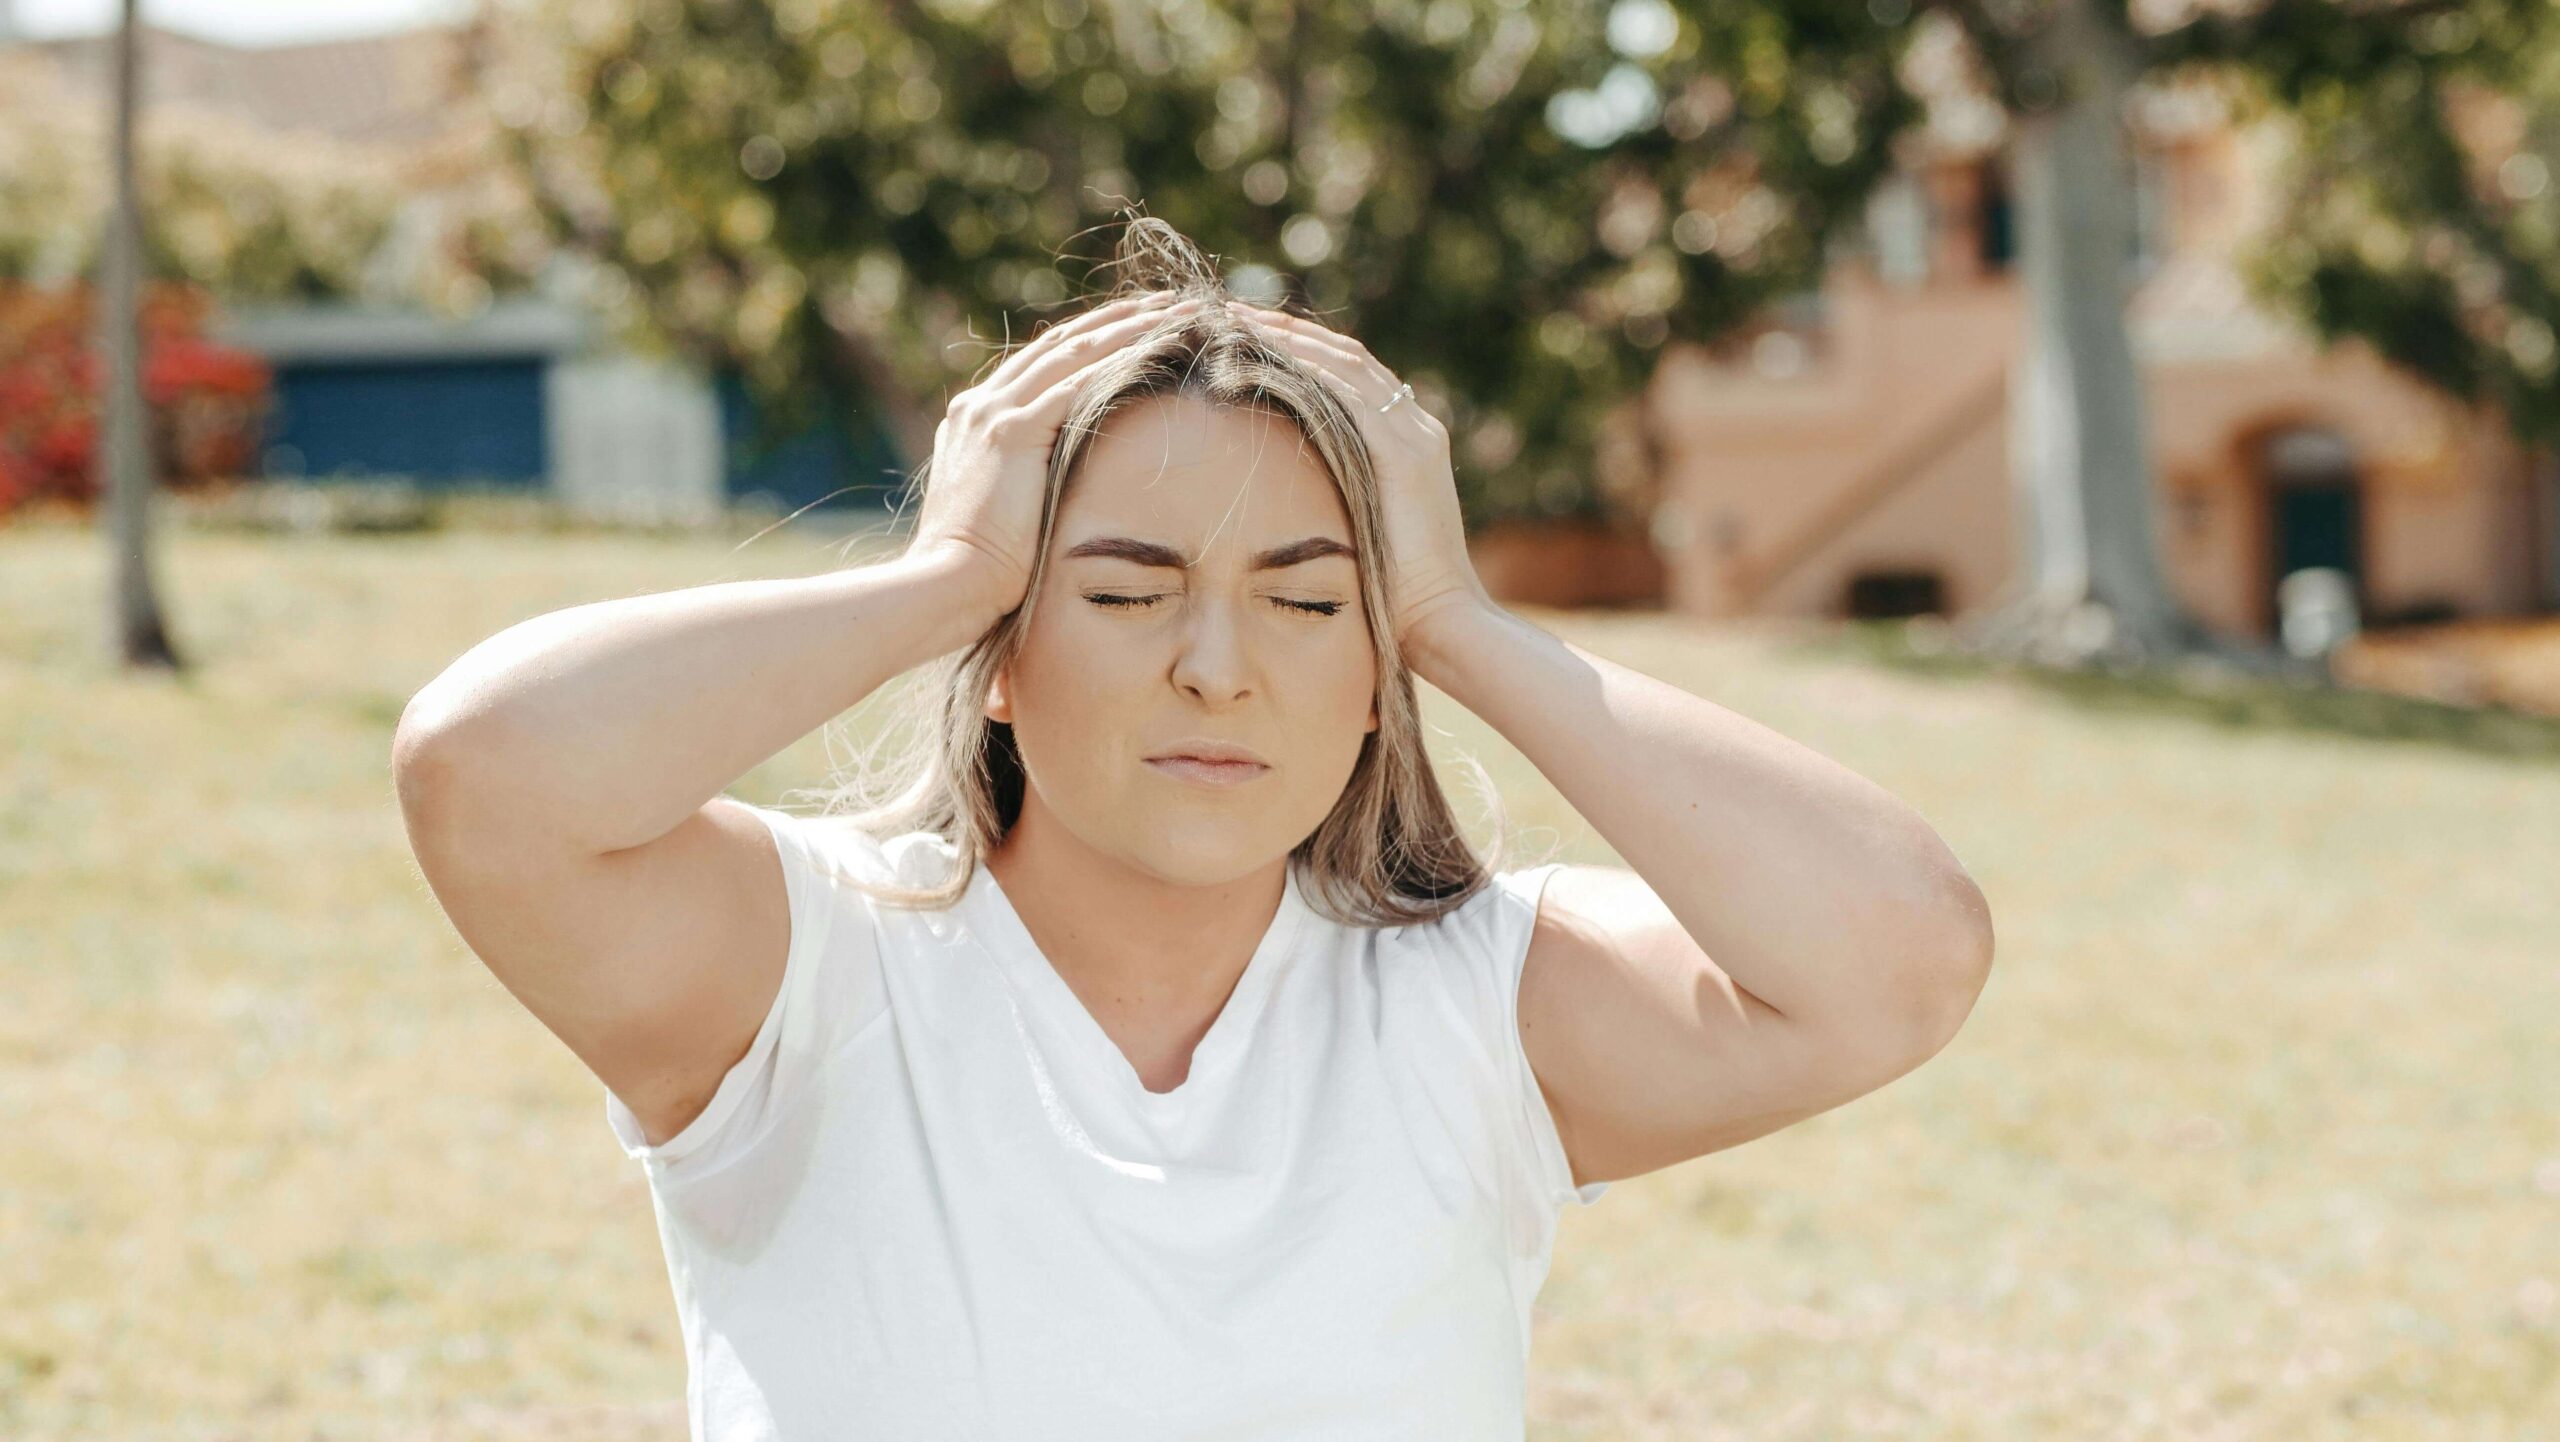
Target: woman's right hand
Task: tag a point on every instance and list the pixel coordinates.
(990, 467)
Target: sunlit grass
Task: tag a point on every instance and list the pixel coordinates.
(2256, 1132)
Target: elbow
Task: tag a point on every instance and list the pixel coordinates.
(410, 738)
(426, 756)
(1951, 971)
(420, 764)
(1970, 920)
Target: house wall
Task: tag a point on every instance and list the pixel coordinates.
(1892, 409)
(635, 439)
(1906, 391)
(1884, 449)
(1954, 517)
(2442, 490)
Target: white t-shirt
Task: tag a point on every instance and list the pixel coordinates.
(934, 1201)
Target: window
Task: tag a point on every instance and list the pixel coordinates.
(1879, 595)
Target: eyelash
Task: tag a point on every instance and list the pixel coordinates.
(1140, 603)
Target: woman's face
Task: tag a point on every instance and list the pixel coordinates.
(1130, 652)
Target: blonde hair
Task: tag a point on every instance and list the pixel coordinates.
(1390, 852)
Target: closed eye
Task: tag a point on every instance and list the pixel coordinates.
(1315, 608)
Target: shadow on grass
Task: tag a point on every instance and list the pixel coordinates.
(2210, 694)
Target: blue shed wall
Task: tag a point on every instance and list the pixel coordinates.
(478, 421)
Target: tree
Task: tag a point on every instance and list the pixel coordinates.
(1520, 205)
(141, 637)
(193, 203)
(2091, 551)
(1515, 205)
(2401, 228)
(2422, 215)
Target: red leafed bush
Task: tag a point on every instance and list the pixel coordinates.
(208, 402)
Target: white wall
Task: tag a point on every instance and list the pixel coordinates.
(633, 439)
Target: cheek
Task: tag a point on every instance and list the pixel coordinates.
(1360, 691)
(1071, 680)
(1326, 673)
(1331, 703)
(1356, 663)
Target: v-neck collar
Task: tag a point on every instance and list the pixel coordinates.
(1010, 940)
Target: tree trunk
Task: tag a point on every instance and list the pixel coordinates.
(2089, 579)
(124, 446)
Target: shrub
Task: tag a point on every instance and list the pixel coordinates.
(207, 402)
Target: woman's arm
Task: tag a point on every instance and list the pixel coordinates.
(561, 784)
(1791, 937)
(561, 781)
(1812, 887)
(602, 726)
(605, 725)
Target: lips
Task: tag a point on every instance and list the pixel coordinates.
(1202, 748)
(1208, 773)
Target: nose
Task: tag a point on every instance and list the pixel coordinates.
(1209, 657)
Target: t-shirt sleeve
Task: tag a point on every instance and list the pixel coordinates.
(1492, 930)
(831, 989)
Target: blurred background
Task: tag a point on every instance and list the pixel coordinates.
(2123, 428)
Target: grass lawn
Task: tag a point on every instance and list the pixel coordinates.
(2255, 1133)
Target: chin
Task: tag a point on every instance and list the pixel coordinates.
(1199, 852)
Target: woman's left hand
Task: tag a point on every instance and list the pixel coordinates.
(1433, 582)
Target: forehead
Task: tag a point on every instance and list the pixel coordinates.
(1201, 477)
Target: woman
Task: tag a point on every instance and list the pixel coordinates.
(1161, 1062)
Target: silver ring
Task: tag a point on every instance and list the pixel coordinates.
(1403, 393)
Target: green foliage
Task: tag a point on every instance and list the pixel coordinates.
(2420, 214)
(1515, 205)
(851, 198)
(2422, 218)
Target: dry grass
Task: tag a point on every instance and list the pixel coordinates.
(2256, 1132)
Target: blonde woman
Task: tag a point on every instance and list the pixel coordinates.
(1158, 1060)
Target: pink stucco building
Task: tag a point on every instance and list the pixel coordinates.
(1853, 455)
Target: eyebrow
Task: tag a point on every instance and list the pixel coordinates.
(1153, 553)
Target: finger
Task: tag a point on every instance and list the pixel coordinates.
(1070, 356)
(1376, 383)
(1087, 320)
(1305, 325)
(1299, 326)
(1048, 340)
(1354, 396)
(1064, 369)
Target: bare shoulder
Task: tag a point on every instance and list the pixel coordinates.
(654, 964)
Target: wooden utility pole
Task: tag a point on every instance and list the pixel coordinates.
(124, 451)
